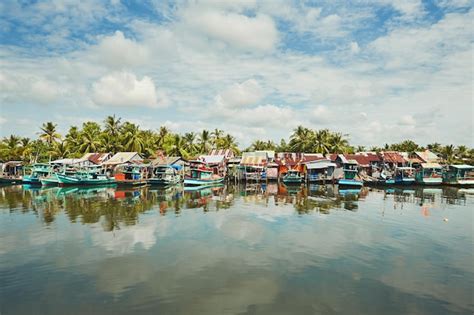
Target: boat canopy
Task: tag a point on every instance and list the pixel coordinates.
(430, 165)
(321, 165)
(463, 166)
(405, 168)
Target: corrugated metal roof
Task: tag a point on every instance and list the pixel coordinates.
(168, 160)
(427, 156)
(325, 164)
(258, 158)
(124, 157)
(68, 161)
(96, 158)
(228, 153)
(393, 157)
(212, 159)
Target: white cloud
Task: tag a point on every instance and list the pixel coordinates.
(241, 94)
(116, 51)
(125, 89)
(250, 34)
(2, 120)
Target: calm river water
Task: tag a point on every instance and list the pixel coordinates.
(236, 250)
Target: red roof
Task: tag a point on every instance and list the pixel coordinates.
(393, 157)
(364, 159)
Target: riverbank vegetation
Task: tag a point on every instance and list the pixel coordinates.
(115, 135)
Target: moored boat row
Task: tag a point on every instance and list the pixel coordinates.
(346, 170)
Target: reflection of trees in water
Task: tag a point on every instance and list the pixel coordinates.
(114, 207)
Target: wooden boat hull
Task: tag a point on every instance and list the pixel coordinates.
(350, 183)
(405, 181)
(73, 180)
(202, 183)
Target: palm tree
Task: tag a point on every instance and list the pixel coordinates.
(178, 147)
(112, 126)
(322, 140)
(228, 142)
(162, 133)
(90, 142)
(132, 138)
(10, 147)
(60, 150)
(462, 151)
(360, 148)
(204, 141)
(435, 147)
(448, 153)
(48, 132)
(300, 140)
(337, 143)
(190, 140)
(216, 137)
(258, 145)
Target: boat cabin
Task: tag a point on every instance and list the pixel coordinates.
(12, 169)
(459, 175)
(321, 170)
(350, 169)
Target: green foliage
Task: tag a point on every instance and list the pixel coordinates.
(115, 135)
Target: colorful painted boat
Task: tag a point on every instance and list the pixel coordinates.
(404, 176)
(35, 173)
(350, 175)
(292, 177)
(10, 172)
(131, 175)
(84, 179)
(202, 177)
(164, 175)
(459, 175)
(429, 174)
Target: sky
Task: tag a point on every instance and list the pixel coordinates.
(379, 71)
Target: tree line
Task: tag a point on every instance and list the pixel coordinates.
(115, 135)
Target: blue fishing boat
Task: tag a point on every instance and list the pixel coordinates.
(404, 176)
(203, 177)
(35, 173)
(350, 175)
(85, 177)
(429, 174)
(459, 175)
(164, 175)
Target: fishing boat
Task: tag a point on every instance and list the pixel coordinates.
(292, 177)
(131, 175)
(459, 175)
(429, 174)
(11, 172)
(202, 176)
(164, 175)
(52, 179)
(350, 175)
(404, 176)
(85, 177)
(35, 173)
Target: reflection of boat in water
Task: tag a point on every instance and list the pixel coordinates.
(203, 187)
(349, 191)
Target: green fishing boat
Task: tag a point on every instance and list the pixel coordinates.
(292, 177)
(34, 173)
